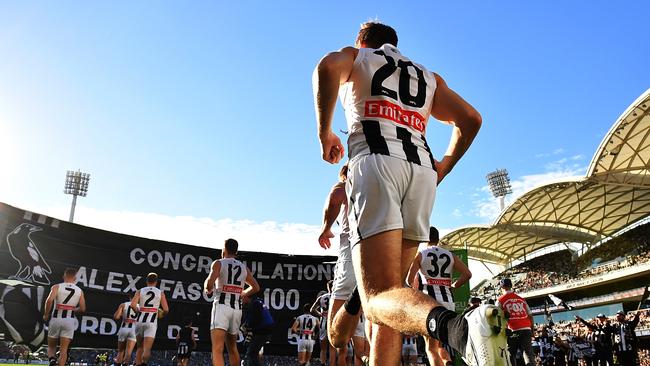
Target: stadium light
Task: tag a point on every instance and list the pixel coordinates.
(76, 184)
(499, 183)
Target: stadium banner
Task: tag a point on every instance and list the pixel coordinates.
(36, 249)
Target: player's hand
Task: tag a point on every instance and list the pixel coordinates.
(46, 317)
(324, 239)
(331, 148)
(443, 167)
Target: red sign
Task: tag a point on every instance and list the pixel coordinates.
(395, 113)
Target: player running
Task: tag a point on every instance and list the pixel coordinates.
(305, 325)
(344, 283)
(126, 335)
(435, 266)
(186, 342)
(64, 301)
(392, 179)
(321, 308)
(227, 279)
(147, 301)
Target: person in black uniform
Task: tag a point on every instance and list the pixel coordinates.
(625, 342)
(602, 335)
(186, 341)
(259, 325)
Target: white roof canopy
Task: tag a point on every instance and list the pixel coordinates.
(614, 195)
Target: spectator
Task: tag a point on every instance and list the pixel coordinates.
(625, 342)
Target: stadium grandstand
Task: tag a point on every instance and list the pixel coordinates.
(584, 241)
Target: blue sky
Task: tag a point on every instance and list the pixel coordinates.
(203, 110)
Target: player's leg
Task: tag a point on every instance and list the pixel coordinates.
(324, 346)
(217, 336)
(64, 344)
(378, 268)
(432, 347)
(147, 343)
(341, 325)
(52, 345)
(445, 352)
(128, 351)
(231, 346)
(121, 346)
(138, 352)
(359, 346)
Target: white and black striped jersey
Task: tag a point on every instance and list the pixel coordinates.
(148, 305)
(436, 267)
(129, 316)
(307, 324)
(387, 102)
(66, 301)
(408, 340)
(230, 283)
(324, 304)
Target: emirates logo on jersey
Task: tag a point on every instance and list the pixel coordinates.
(387, 110)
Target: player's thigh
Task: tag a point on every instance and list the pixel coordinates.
(375, 187)
(377, 262)
(417, 203)
(409, 250)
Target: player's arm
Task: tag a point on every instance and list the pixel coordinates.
(193, 339)
(465, 273)
(49, 302)
(411, 277)
(119, 312)
(163, 303)
(294, 327)
(208, 284)
(82, 304)
(314, 307)
(332, 71)
(178, 337)
(333, 205)
(451, 108)
(135, 300)
(252, 283)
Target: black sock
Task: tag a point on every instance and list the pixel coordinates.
(353, 303)
(448, 327)
(52, 360)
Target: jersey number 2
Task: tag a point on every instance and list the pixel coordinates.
(404, 86)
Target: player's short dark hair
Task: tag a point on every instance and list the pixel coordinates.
(306, 308)
(232, 246)
(343, 173)
(70, 272)
(152, 277)
(434, 235)
(375, 34)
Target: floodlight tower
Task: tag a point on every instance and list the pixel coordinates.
(499, 183)
(76, 184)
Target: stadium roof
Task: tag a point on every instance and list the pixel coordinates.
(614, 194)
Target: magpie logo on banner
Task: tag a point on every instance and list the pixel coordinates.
(32, 266)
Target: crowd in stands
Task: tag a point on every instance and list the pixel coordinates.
(628, 249)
